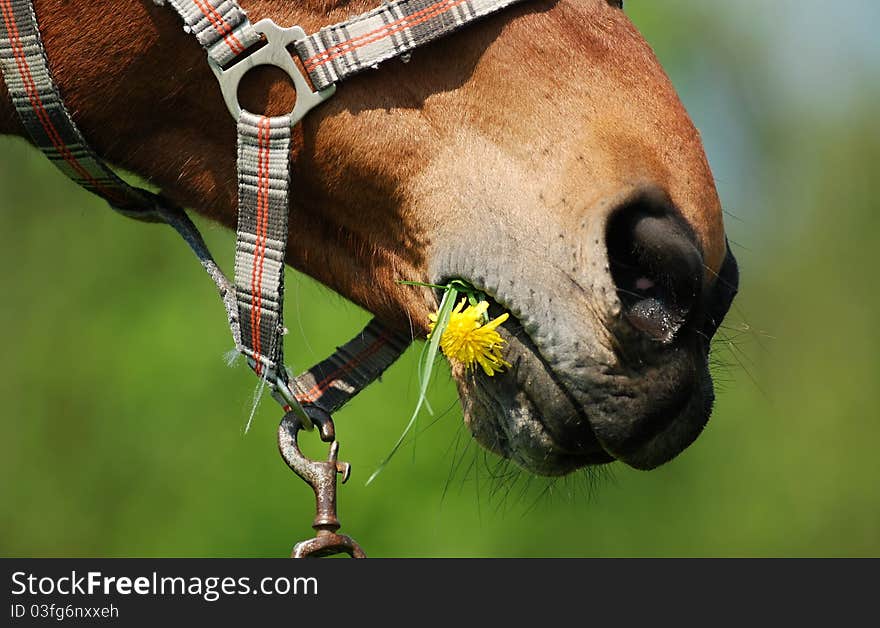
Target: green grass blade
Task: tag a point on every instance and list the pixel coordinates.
(446, 305)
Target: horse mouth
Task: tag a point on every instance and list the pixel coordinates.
(538, 416)
(525, 414)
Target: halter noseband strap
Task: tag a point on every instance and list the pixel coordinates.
(392, 29)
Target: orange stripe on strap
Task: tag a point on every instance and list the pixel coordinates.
(261, 233)
(382, 33)
(39, 108)
(221, 26)
(316, 391)
(384, 27)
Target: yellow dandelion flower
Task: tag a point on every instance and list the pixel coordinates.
(470, 340)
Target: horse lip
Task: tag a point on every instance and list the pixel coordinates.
(666, 432)
(567, 453)
(669, 418)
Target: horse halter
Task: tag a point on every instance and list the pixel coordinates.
(254, 301)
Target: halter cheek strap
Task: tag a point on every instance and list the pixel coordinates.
(263, 186)
(44, 116)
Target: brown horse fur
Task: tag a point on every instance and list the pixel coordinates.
(496, 154)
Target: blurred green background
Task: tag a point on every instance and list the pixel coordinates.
(117, 440)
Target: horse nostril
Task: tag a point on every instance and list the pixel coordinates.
(656, 266)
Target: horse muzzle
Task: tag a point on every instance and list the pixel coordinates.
(609, 354)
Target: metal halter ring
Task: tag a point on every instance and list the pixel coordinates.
(275, 54)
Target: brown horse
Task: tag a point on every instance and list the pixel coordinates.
(541, 155)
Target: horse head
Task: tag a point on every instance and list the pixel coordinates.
(541, 155)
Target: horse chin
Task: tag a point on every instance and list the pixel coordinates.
(537, 418)
(525, 415)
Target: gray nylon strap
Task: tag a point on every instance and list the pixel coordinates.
(332, 383)
(263, 186)
(390, 30)
(221, 26)
(45, 118)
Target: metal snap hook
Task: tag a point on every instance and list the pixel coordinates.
(321, 476)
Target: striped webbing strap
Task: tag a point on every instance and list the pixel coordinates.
(263, 187)
(221, 27)
(331, 383)
(45, 118)
(390, 30)
(336, 52)
(263, 166)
